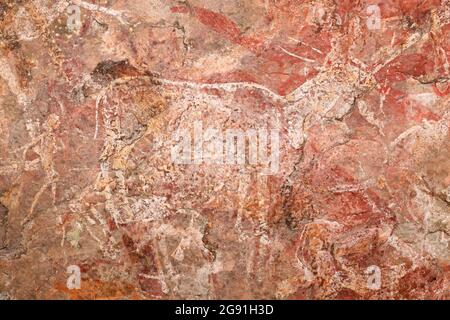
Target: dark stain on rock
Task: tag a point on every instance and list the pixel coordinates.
(9, 42)
(3, 225)
(107, 71)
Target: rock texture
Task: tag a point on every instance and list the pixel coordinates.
(92, 94)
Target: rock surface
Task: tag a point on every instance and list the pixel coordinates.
(354, 202)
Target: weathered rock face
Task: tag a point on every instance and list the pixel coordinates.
(225, 149)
